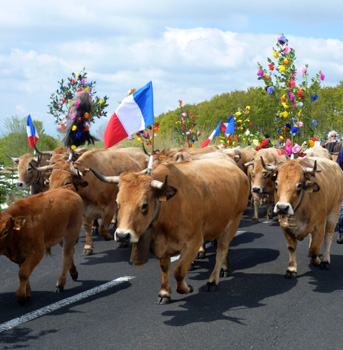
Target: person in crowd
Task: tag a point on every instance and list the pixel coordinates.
(332, 144)
(280, 142)
(340, 220)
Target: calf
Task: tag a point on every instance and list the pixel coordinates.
(33, 225)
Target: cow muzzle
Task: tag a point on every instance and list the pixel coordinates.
(257, 189)
(125, 236)
(21, 184)
(283, 208)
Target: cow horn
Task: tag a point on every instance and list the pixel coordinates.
(158, 184)
(249, 163)
(14, 160)
(48, 153)
(42, 168)
(73, 170)
(267, 167)
(108, 179)
(145, 149)
(311, 171)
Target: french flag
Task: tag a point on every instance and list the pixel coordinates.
(31, 132)
(229, 127)
(135, 113)
(210, 138)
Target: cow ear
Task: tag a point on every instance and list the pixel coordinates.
(167, 193)
(311, 186)
(19, 222)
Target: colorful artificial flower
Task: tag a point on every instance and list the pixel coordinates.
(260, 72)
(301, 93)
(282, 68)
(322, 76)
(287, 49)
(270, 89)
(314, 98)
(281, 39)
(271, 67)
(291, 83)
(296, 148)
(302, 70)
(275, 54)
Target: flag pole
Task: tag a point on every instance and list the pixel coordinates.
(151, 158)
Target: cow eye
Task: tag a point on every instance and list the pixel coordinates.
(253, 174)
(29, 169)
(298, 186)
(67, 182)
(265, 174)
(4, 233)
(276, 184)
(144, 207)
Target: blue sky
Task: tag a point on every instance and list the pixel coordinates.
(190, 50)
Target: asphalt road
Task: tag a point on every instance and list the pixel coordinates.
(113, 305)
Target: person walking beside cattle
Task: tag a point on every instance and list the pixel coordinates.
(332, 144)
(340, 220)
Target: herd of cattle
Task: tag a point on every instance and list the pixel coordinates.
(189, 196)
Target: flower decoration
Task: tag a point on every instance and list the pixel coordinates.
(186, 134)
(293, 117)
(62, 99)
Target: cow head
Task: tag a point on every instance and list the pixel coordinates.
(65, 173)
(9, 223)
(292, 181)
(138, 202)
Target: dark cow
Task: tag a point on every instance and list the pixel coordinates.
(307, 202)
(33, 225)
(202, 200)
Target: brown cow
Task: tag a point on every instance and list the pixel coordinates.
(203, 200)
(33, 225)
(308, 203)
(261, 183)
(99, 198)
(241, 156)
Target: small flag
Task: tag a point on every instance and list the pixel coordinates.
(230, 128)
(31, 132)
(210, 138)
(135, 113)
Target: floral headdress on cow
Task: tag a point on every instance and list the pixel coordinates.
(293, 120)
(77, 130)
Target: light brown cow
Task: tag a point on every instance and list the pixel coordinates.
(307, 202)
(203, 200)
(261, 183)
(318, 151)
(99, 198)
(33, 225)
(241, 156)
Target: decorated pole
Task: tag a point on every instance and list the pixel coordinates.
(151, 158)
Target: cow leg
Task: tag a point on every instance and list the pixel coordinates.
(292, 243)
(88, 248)
(95, 227)
(188, 254)
(270, 207)
(164, 294)
(25, 270)
(256, 201)
(68, 264)
(105, 224)
(202, 252)
(223, 243)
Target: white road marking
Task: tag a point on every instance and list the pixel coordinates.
(207, 245)
(55, 306)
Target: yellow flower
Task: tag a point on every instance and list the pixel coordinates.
(244, 139)
(285, 61)
(78, 74)
(238, 113)
(69, 101)
(242, 128)
(275, 54)
(248, 120)
(74, 127)
(281, 137)
(86, 88)
(285, 105)
(256, 142)
(101, 102)
(139, 139)
(240, 121)
(311, 143)
(299, 114)
(282, 68)
(247, 107)
(234, 118)
(233, 142)
(73, 147)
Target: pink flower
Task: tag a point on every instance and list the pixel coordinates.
(287, 49)
(296, 148)
(291, 83)
(288, 143)
(322, 76)
(288, 151)
(280, 152)
(77, 103)
(302, 70)
(129, 137)
(294, 74)
(260, 72)
(300, 124)
(184, 114)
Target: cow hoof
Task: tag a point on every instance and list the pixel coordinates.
(59, 289)
(108, 237)
(324, 265)
(163, 300)
(255, 220)
(21, 301)
(87, 251)
(290, 274)
(224, 273)
(74, 276)
(201, 255)
(211, 287)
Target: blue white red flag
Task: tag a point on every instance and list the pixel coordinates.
(210, 138)
(135, 113)
(229, 127)
(31, 132)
